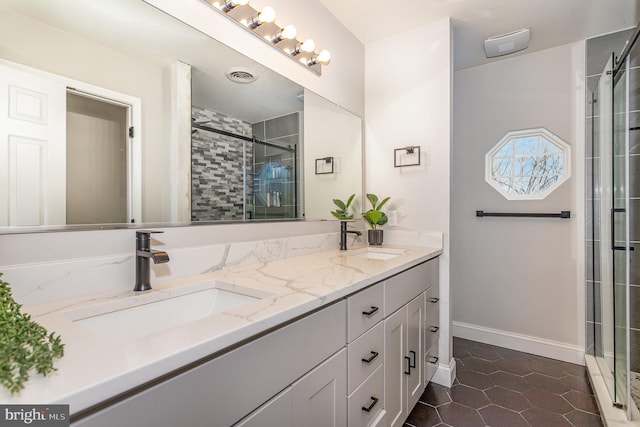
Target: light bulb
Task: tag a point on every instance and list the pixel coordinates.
(288, 32)
(307, 46)
(267, 15)
(324, 57)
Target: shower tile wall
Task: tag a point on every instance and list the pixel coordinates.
(598, 51)
(284, 131)
(217, 168)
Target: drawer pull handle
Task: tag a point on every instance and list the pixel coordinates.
(408, 371)
(434, 328)
(413, 365)
(374, 400)
(371, 312)
(374, 354)
(434, 300)
(433, 360)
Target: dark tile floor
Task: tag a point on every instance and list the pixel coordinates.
(499, 387)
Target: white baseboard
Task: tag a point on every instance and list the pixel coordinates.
(526, 343)
(445, 374)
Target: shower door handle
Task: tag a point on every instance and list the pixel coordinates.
(613, 239)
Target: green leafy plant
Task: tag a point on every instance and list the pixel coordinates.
(24, 344)
(343, 208)
(375, 216)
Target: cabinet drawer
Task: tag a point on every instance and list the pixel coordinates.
(432, 318)
(430, 363)
(365, 347)
(405, 286)
(365, 309)
(366, 404)
(431, 336)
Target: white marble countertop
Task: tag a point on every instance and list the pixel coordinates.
(94, 369)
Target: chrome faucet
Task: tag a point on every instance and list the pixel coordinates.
(343, 235)
(143, 254)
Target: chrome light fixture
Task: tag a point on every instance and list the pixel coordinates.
(262, 24)
(230, 4)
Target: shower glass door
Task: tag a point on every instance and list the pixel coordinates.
(604, 345)
(620, 236)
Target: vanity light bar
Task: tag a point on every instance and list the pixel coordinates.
(262, 23)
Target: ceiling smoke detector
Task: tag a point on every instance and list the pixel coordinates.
(241, 75)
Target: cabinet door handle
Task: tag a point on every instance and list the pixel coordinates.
(413, 365)
(433, 360)
(434, 300)
(408, 371)
(434, 328)
(374, 354)
(371, 312)
(374, 400)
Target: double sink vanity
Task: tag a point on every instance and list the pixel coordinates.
(332, 338)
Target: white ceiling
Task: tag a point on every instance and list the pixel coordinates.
(552, 22)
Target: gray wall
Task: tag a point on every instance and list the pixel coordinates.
(283, 132)
(516, 275)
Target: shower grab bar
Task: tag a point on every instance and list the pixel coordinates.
(562, 214)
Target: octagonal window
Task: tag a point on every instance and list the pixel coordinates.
(528, 164)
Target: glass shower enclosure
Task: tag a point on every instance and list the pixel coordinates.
(616, 206)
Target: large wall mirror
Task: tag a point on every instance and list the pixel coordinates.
(117, 113)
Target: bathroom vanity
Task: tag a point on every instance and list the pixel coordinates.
(331, 338)
(359, 361)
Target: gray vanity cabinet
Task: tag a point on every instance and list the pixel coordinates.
(361, 362)
(404, 334)
(218, 393)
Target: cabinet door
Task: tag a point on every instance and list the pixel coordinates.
(276, 412)
(415, 349)
(395, 367)
(320, 397)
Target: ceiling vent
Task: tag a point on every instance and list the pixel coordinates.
(507, 43)
(241, 75)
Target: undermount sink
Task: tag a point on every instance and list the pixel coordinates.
(376, 253)
(138, 316)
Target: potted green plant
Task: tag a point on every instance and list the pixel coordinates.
(374, 218)
(342, 213)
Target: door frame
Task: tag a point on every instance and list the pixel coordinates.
(134, 119)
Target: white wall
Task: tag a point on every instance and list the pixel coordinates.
(408, 102)
(518, 282)
(331, 132)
